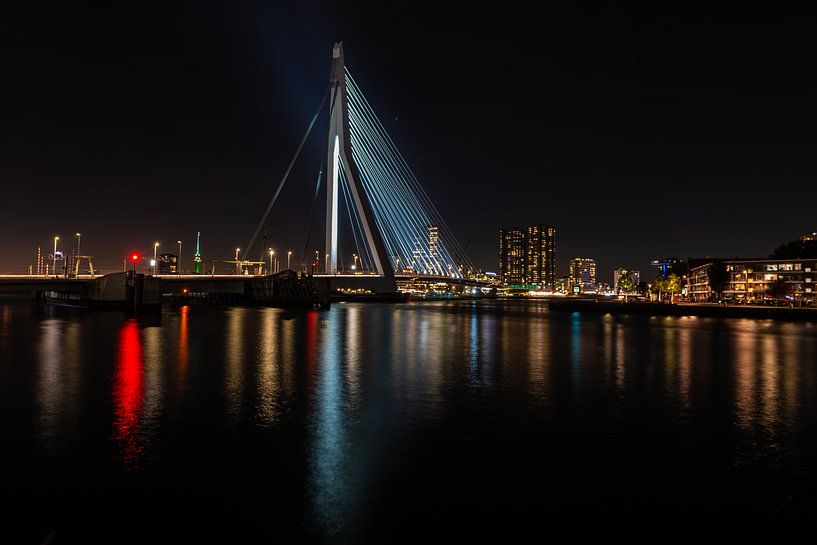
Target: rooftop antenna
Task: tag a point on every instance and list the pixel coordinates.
(197, 257)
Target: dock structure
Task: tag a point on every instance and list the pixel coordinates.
(143, 293)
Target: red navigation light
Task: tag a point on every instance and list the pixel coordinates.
(134, 257)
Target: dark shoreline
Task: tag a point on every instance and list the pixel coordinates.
(685, 309)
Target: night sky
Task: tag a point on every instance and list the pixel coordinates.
(638, 134)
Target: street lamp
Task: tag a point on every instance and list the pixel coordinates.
(289, 257)
(271, 253)
(179, 259)
(237, 265)
(326, 265)
(76, 256)
(54, 256)
(155, 248)
(354, 265)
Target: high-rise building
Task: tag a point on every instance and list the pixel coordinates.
(434, 248)
(583, 274)
(528, 256)
(512, 252)
(540, 255)
(635, 276)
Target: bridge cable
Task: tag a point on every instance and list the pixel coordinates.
(286, 174)
(332, 103)
(311, 212)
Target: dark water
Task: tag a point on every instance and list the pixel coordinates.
(376, 422)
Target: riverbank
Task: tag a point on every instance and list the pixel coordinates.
(682, 309)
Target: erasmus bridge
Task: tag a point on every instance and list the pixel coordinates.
(376, 209)
(376, 212)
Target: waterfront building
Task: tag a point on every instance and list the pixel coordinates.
(527, 256)
(562, 284)
(670, 265)
(635, 276)
(168, 263)
(582, 274)
(750, 280)
(512, 250)
(808, 237)
(540, 256)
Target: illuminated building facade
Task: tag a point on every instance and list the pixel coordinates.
(750, 279)
(583, 274)
(168, 263)
(541, 256)
(527, 256)
(512, 253)
(434, 248)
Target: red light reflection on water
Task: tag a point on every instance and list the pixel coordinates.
(128, 396)
(311, 344)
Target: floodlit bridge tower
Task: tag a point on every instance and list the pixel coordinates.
(339, 157)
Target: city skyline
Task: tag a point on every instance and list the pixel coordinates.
(330, 272)
(665, 157)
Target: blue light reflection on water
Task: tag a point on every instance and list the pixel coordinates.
(329, 447)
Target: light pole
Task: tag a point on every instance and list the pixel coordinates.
(271, 253)
(237, 265)
(179, 259)
(326, 265)
(155, 248)
(354, 265)
(76, 257)
(54, 256)
(289, 258)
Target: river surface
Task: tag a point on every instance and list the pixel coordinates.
(367, 422)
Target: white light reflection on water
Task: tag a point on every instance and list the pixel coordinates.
(473, 349)
(51, 386)
(267, 410)
(539, 355)
(234, 369)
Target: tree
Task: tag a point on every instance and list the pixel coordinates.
(642, 287)
(666, 284)
(803, 249)
(625, 284)
(777, 289)
(659, 286)
(673, 284)
(718, 278)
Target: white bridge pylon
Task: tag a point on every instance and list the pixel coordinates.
(339, 156)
